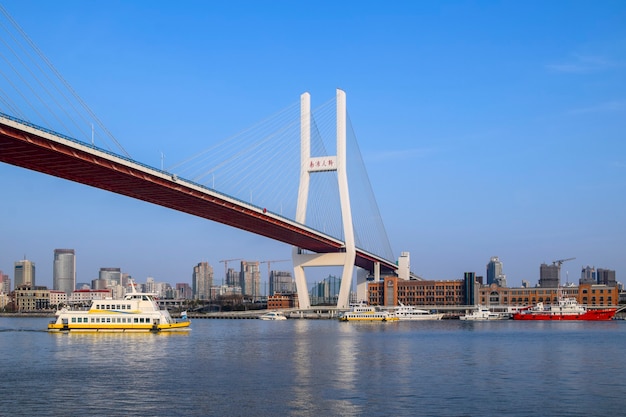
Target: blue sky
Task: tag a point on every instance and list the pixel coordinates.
(489, 128)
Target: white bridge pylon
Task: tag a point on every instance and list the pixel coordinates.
(311, 165)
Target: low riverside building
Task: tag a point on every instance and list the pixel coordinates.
(57, 298)
(391, 291)
(282, 300)
(5, 300)
(84, 297)
(32, 298)
(588, 294)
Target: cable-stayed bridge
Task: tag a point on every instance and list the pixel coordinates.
(296, 177)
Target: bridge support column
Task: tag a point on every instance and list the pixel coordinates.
(310, 165)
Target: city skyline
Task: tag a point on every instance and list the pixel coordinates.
(481, 136)
(234, 275)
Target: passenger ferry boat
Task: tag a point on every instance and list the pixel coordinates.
(411, 313)
(136, 312)
(362, 312)
(566, 309)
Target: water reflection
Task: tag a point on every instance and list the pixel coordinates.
(301, 361)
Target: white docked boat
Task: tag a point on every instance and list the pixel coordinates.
(483, 313)
(136, 312)
(273, 315)
(404, 312)
(362, 312)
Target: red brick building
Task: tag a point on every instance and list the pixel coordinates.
(279, 301)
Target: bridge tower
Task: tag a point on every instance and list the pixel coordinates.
(312, 165)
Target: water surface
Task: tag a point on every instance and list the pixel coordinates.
(317, 368)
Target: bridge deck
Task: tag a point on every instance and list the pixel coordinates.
(43, 151)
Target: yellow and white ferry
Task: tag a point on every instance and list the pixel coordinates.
(136, 312)
(362, 312)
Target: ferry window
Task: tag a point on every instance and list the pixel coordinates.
(80, 319)
(93, 320)
(108, 319)
(108, 306)
(141, 320)
(73, 319)
(123, 306)
(136, 320)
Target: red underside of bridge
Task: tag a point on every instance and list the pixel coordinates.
(40, 154)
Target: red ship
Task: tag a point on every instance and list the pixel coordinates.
(566, 309)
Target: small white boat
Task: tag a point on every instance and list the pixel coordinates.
(273, 315)
(481, 314)
(362, 312)
(136, 312)
(404, 312)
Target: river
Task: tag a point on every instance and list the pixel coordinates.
(317, 368)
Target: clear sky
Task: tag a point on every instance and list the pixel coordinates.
(490, 128)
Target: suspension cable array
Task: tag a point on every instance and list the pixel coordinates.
(33, 90)
(260, 165)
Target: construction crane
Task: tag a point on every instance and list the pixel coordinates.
(560, 262)
(226, 261)
(269, 263)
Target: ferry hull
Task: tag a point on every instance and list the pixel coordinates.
(590, 315)
(77, 328)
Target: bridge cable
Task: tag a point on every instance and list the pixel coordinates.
(61, 79)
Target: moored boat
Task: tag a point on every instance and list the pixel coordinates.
(136, 312)
(483, 313)
(565, 309)
(273, 315)
(404, 312)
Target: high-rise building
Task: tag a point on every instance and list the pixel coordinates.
(327, 291)
(588, 275)
(606, 277)
(98, 284)
(5, 283)
(469, 286)
(250, 279)
(151, 285)
(184, 291)
(232, 278)
(112, 277)
(549, 276)
(281, 282)
(24, 273)
(494, 272)
(64, 271)
(202, 281)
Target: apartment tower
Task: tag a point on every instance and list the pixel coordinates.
(64, 271)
